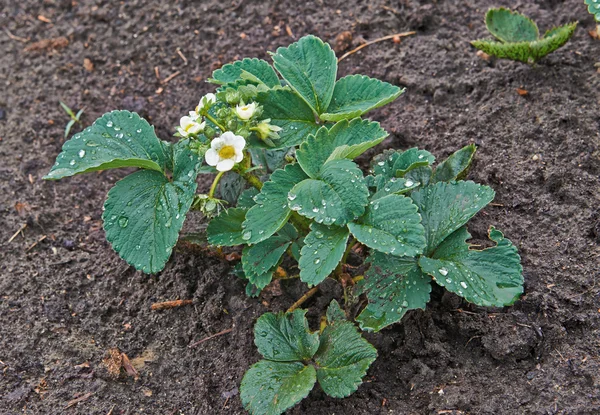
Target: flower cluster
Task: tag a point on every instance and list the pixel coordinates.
(237, 116)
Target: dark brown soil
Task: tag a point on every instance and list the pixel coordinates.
(66, 301)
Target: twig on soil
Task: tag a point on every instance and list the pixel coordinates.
(78, 400)
(33, 245)
(17, 232)
(182, 56)
(168, 78)
(111, 410)
(18, 38)
(302, 299)
(397, 35)
(199, 342)
(167, 305)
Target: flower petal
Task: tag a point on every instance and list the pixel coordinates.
(182, 132)
(218, 142)
(225, 165)
(212, 157)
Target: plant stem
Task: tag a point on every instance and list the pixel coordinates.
(214, 184)
(215, 122)
(302, 299)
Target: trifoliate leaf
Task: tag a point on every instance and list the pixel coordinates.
(322, 252)
(445, 207)
(288, 231)
(508, 26)
(454, 167)
(391, 225)
(253, 70)
(393, 286)
(344, 140)
(246, 199)
(226, 229)
(342, 359)
(355, 95)
(309, 66)
(593, 8)
(270, 388)
(271, 211)
(490, 277)
(287, 110)
(117, 139)
(285, 337)
(335, 313)
(337, 197)
(260, 261)
(144, 212)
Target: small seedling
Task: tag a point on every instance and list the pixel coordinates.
(74, 117)
(518, 37)
(281, 140)
(594, 10)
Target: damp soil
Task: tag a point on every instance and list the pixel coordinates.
(66, 298)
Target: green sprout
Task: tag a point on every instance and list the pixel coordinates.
(518, 37)
(74, 117)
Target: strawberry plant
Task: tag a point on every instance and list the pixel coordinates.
(518, 37)
(281, 141)
(594, 9)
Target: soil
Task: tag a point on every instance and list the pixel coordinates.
(66, 298)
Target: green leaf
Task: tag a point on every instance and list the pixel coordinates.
(309, 66)
(270, 388)
(322, 252)
(226, 229)
(271, 211)
(397, 163)
(394, 186)
(288, 111)
(117, 139)
(337, 197)
(144, 212)
(508, 26)
(254, 70)
(445, 207)
(528, 52)
(490, 277)
(335, 313)
(393, 286)
(454, 167)
(355, 95)
(285, 337)
(260, 261)
(246, 199)
(231, 187)
(342, 359)
(344, 140)
(391, 225)
(593, 8)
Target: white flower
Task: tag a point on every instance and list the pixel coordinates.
(188, 125)
(225, 151)
(245, 112)
(206, 102)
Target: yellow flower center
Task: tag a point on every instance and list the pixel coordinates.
(245, 108)
(227, 152)
(188, 127)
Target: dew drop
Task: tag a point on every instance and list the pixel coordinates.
(109, 124)
(291, 196)
(317, 261)
(123, 221)
(72, 162)
(463, 284)
(443, 271)
(247, 235)
(409, 183)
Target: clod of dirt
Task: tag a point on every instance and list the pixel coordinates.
(48, 45)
